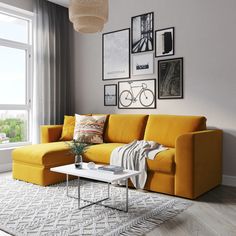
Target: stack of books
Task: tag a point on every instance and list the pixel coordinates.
(112, 168)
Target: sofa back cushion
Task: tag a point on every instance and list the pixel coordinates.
(124, 128)
(164, 129)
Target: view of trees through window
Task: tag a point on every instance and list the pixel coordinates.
(15, 75)
(13, 127)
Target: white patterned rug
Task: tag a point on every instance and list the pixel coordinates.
(27, 209)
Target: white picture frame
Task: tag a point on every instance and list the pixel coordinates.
(143, 64)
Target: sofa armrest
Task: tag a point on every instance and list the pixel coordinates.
(50, 133)
(198, 162)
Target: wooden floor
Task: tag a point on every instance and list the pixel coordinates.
(212, 214)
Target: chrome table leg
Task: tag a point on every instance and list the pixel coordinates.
(78, 192)
(108, 190)
(127, 196)
(67, 178)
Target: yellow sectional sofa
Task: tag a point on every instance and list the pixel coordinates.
(190, 167)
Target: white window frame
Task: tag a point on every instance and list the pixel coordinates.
(25, 15)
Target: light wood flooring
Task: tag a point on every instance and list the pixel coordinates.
(212, 214)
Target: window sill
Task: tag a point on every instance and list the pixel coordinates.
(13, 145)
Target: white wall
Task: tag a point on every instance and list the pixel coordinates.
(204, 35)
(5, 154)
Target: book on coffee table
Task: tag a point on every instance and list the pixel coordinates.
(112, 168)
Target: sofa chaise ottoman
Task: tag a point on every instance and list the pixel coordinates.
(190, 167)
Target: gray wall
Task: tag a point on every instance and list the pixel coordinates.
(23, 4)
(205, 36)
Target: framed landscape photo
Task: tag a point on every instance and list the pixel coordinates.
(116, 55)
(137, 94)
(170, 78)
(142, 64)
(165, 42)
(142, 32)
(110, 95)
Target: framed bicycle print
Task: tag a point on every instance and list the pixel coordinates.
(170, 78)
(137, 94)
(110, 95)
(116, 55)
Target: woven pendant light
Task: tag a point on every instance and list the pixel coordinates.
(88, 16)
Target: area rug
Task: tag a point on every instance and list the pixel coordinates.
(27, 209)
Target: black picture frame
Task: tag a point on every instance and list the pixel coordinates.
(165, 42)
(116, 48)
(133, 97)
(170, 78)
(137, 35)
(110, 99)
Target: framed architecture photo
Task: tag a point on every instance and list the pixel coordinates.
(110, 95)
(142, 64)
(142, 32)
(137, 94)
(116, 55)
(165, 42)
(170, 78)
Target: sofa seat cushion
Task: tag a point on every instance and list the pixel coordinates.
(100, 153)
(47, 154)
(164, 162)
(125, 128)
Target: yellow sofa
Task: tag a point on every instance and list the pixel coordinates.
(190, 167)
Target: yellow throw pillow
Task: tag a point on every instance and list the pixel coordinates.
(89, 129)
(68, 128)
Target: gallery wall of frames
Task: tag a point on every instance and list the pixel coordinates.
(132, 52)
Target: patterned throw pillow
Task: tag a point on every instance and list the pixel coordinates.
(89, 129)
(68, 128)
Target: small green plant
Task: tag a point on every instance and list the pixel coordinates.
(77, 148)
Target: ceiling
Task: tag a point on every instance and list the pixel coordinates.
(64, 3)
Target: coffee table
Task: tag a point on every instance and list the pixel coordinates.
(98, 175)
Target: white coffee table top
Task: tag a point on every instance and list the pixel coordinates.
(95, 174)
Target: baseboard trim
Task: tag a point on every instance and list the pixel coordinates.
(5, 167)
(229, 180)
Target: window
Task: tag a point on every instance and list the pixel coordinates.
(15, 77)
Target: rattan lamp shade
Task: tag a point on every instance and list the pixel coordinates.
(88, 16)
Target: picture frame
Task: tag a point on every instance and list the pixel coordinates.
(165, 42)
(143, 64)
(142, 32)
(116, 54)
(137, 94)
(110, 95)
(170, 78)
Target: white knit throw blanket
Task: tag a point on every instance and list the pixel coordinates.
(133, 156)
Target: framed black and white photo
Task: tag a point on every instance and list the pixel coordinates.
(165, 42)
(142, 64)
(137, 94)
(116, 54)
(170, 78)
(110, 95)
(142, 32)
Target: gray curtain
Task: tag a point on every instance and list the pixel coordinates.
(52, 84)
